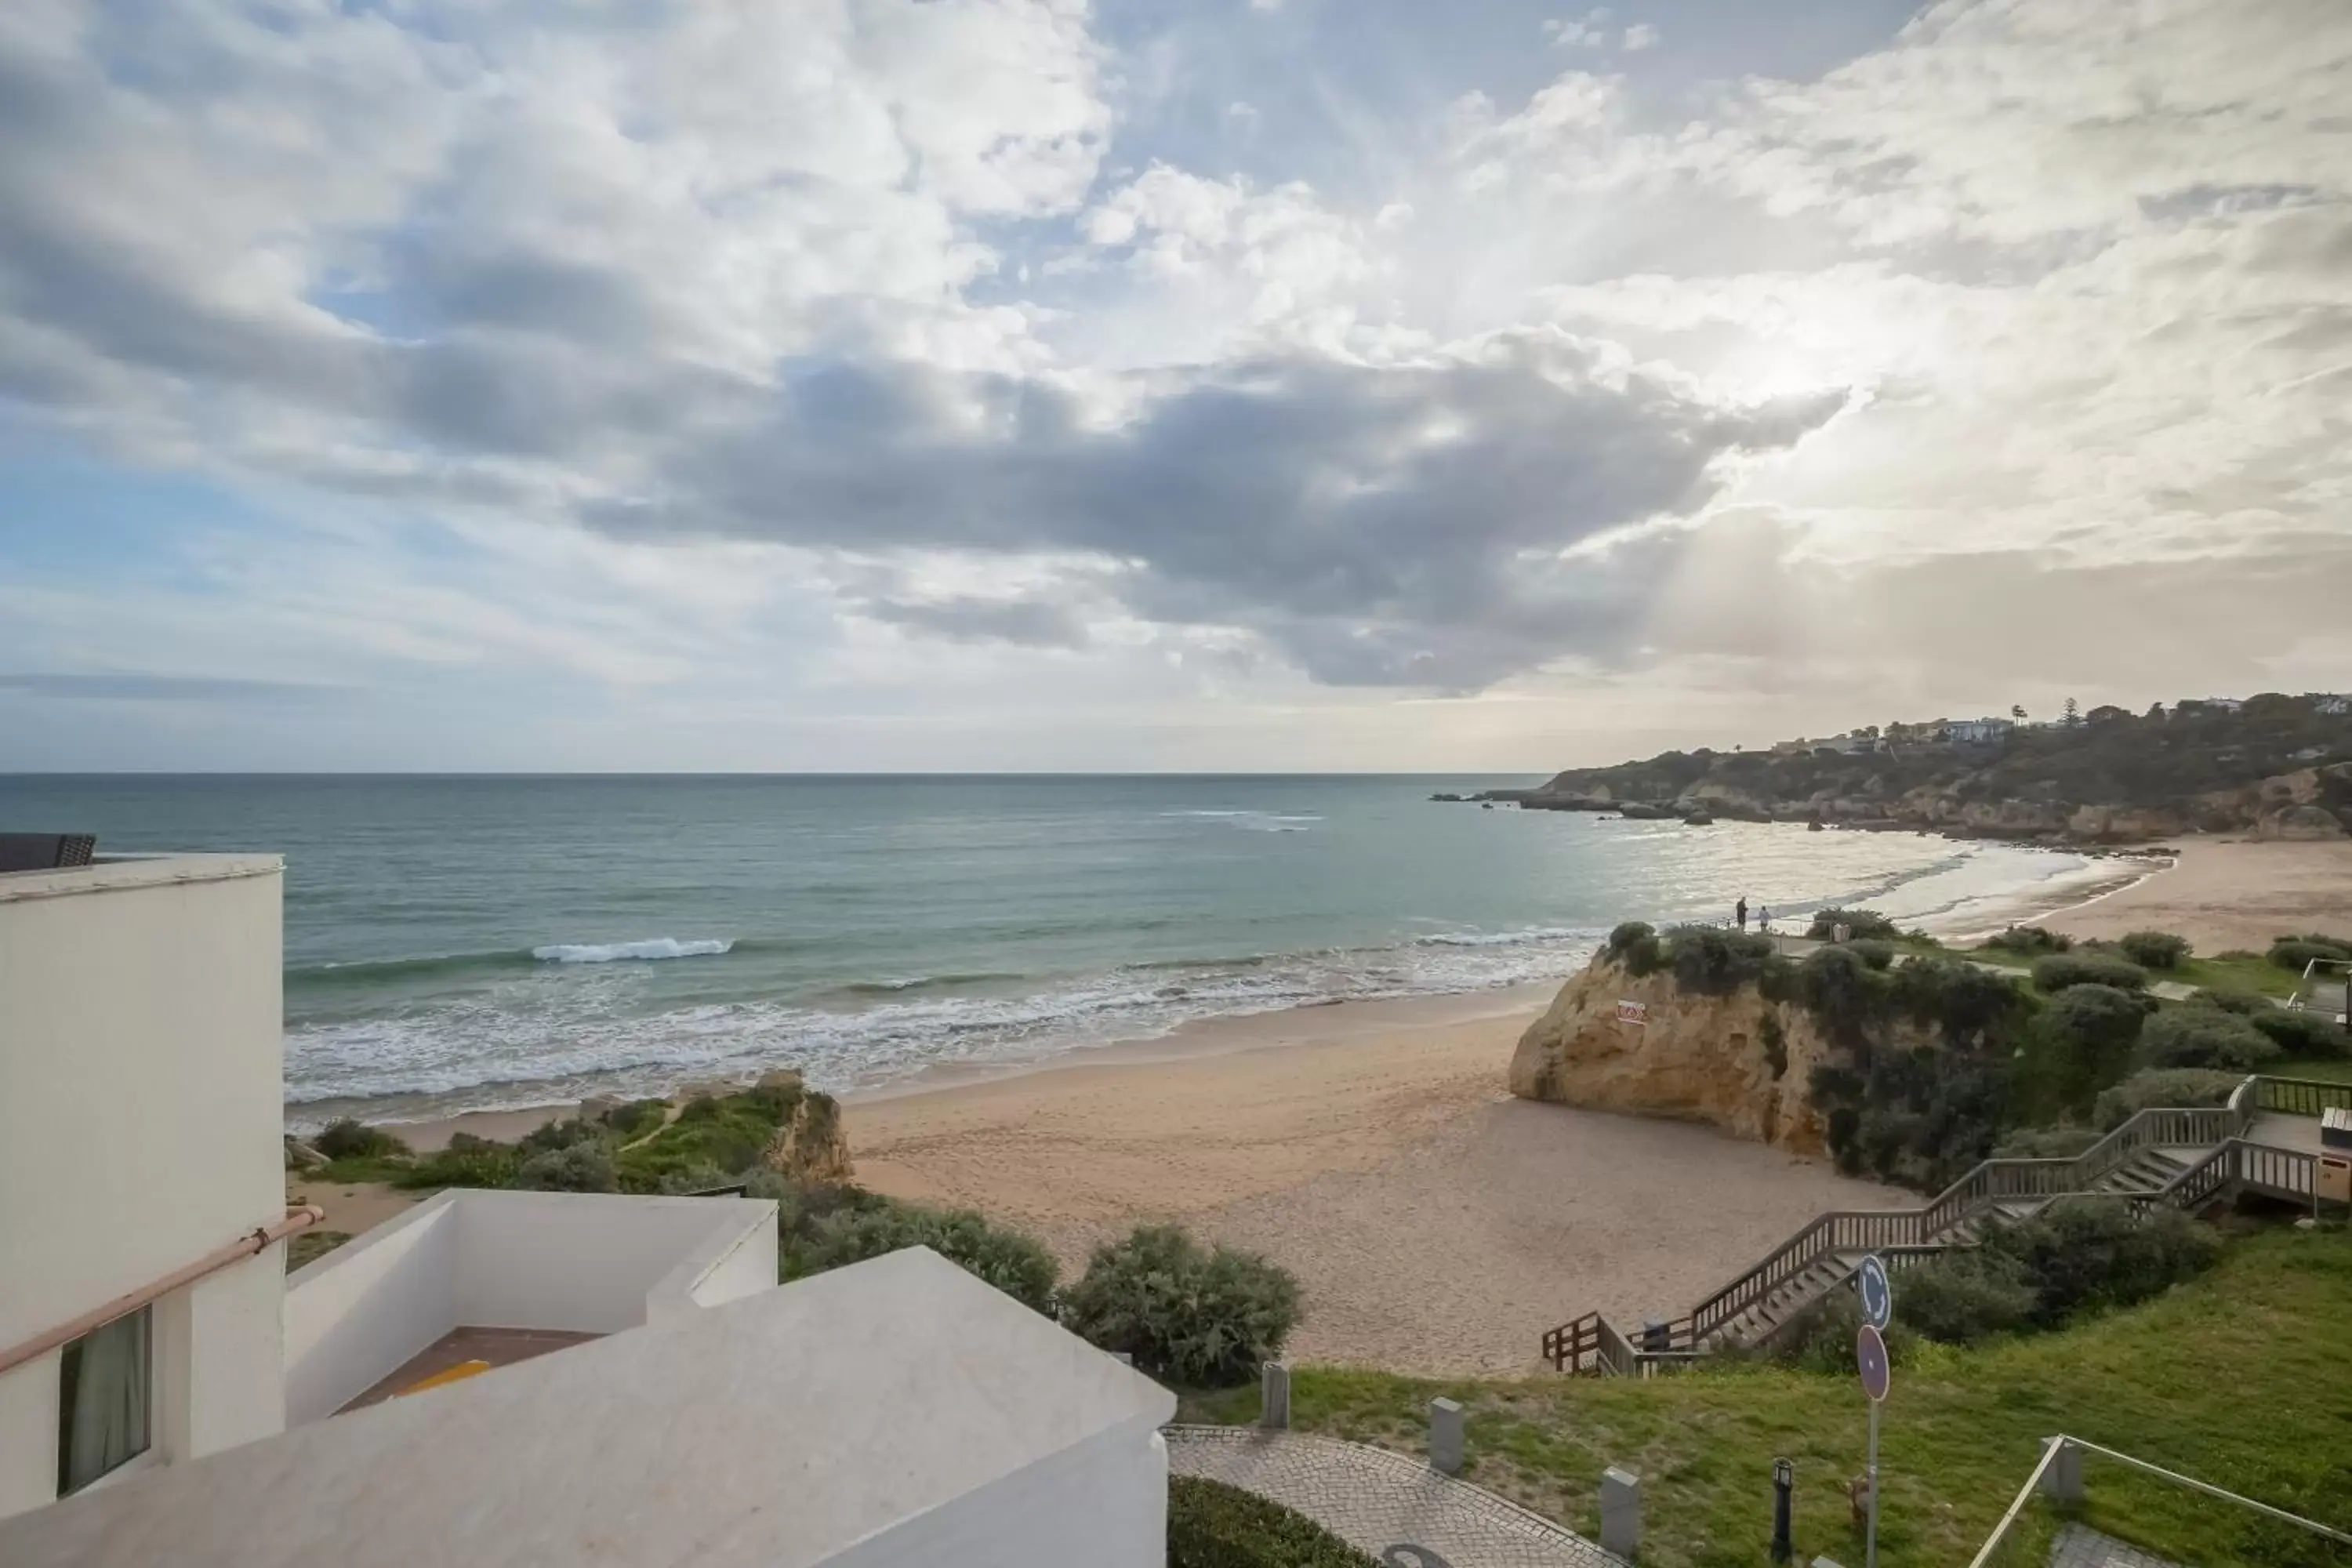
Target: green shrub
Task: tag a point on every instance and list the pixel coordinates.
(2300, 1034)
(2163, 1088)
(2190, 1036)
(561, 1135)
(2083, 1042)
(1710, 962)
(1972, 1008)
(1965, 1295)
(1208, 1318)
(1213, 1525)
(729, 1133)
(1635, 945)
(577, 1167)
(637, 1116)
(1837, 987)
(2059, 971)
(1873, 951)
(467, 1162)
(2030, 940)
(2083, 1252)
(2246, 1003)
(1858, 923)
(2154, 949)
(1015, 1264)
(2296, 951)
(2060, 1143)
(347, 1139)
(1823, 1339)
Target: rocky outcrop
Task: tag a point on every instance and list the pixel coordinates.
(809, 1146)
(2307, 821)
(1735, 1062)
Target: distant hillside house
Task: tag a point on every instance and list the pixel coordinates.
(1977, 732)
(2330, 702)
(2105, 713)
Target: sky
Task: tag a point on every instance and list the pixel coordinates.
(1155, 384)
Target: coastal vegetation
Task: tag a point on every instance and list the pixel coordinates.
(2277, 765)
(1199, 1315)
(1919, 1060)
(2235, 1377)
(1213, 1525)
(1205, 1317)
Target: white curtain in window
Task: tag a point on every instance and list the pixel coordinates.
(106, 1410)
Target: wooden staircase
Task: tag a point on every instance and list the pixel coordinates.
(2175, 1158)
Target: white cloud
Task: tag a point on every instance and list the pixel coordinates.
(1638, 37)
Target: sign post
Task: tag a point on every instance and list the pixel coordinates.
(1870, 1357)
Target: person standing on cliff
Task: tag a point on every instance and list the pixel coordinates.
(1739, 912)
(1764, 918)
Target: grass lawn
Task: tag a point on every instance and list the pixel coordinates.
(2255, 974)
(2242, 1378)
(2327, 1070)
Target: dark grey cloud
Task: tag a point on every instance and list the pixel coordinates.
(142, 686)
(1380, 524)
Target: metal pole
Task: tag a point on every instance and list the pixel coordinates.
(1870, 1541)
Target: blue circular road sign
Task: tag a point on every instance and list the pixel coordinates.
(1870, 1355)
(1877, 1294)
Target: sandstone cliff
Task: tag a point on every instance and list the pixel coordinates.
(810, 1146)
(1735, 1062)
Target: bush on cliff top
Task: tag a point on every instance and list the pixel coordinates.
(347, 1139)
(2193, 1035)
(2303, 1033)
(1635, 945)
(2154, 949)
(2161, 1088)
(1708, 961)
(2030, 940)
(2295, 952)
(1193, 1315)
(1859, 924)
(2057, 973)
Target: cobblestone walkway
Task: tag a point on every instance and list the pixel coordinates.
(1384, 1502)
(2079, 1546)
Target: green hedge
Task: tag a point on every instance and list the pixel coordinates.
(2060, 970)
(2154, 949)
(1859, 924)
(1213, 1525)
(2194, 1036)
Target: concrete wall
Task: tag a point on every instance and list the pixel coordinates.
(354, 1315)
(1102, 1504)
(587, 1262)
(140, 1117)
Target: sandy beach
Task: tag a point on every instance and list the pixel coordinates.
(2224, 894)
(1437, 1224)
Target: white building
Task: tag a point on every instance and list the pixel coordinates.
(494, 1376)
(1977, 732)
(140, 1126)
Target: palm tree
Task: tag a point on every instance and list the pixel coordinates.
(2018, 712)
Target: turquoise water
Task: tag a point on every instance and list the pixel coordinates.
(479, 941)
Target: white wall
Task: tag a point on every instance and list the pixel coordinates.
(582, 1261)
(1102, 1504)
(354, 1315)
(586, 1262)
(140, 1119)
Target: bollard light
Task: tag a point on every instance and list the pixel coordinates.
(1784, 1482)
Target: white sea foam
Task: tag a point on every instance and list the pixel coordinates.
(611, 952)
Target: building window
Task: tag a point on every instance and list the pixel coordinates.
(103, 1400)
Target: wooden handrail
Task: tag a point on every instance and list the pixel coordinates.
(1989, 1183)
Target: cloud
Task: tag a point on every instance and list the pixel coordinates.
(881, 321)
(1022, 622)
(146, 686)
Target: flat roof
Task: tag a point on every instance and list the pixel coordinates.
(777, 1430)
(116, 875)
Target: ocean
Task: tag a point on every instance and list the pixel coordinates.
(474, 942)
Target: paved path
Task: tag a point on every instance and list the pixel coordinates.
(1379, 1501)
(2079, 1546)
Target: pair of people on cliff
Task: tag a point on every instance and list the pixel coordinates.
(1763, 916)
